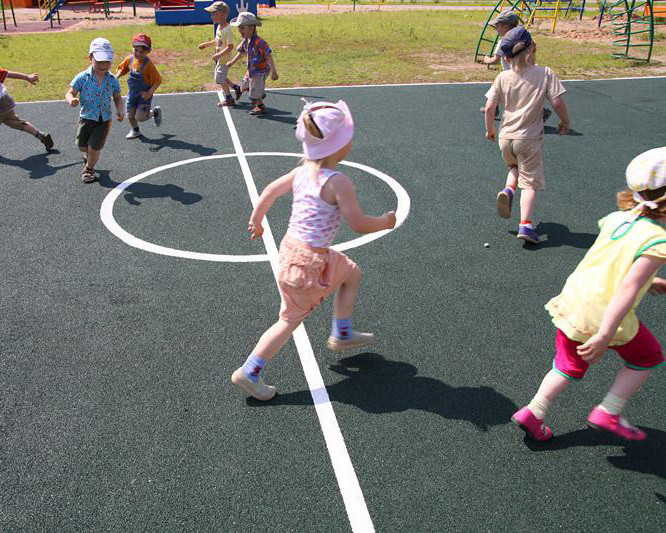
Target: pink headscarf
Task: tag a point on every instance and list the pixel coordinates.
(335, 123)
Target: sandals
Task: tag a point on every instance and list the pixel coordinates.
(88, 175)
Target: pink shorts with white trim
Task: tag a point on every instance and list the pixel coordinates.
(643, 352)
(306, 277)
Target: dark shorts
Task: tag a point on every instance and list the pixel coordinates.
(92, 133)
(643, 352)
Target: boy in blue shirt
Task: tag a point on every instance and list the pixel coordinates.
(94, 88)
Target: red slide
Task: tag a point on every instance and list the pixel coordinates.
(161, 4)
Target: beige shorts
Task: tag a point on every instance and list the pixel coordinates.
(527, 155)
(307, 277)
(221, 73)
(12, 120)
(256, 85)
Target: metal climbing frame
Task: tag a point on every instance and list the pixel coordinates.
(632, 25)
(489, 37)
(4, 17)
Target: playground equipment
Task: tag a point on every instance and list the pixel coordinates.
(4, 17)
(179, 12)
(51, 8)
(632, 23)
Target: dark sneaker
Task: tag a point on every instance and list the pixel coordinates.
(546, 114)
(531, 425)
(157, 116)
(528, 234)
(504, 202)
(258, 110)
(356, 340)
(88, 175)
(47, 141)
(238, 91)
(259, 390)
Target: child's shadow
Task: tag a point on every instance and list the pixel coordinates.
(279, 116)
(377, 385)
(559, 235)
(551, 130)
(646, 457)
(37, 165)
(141, 190)
(168, 141)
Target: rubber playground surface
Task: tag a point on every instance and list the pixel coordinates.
(126, 305)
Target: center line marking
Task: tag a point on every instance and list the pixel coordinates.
(352, 495)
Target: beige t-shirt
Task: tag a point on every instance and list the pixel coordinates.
(224, 37)
(522, 95)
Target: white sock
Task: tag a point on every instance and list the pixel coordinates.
(539, 406)
(613, 404)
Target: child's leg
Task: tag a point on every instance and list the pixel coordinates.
(93, 157)
(527, 203)
(343, 304)
(131, 117)
(551, 387)
(627, 383)
(273, 339)
(343, 336)
(13, 121)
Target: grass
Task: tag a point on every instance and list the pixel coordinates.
(351, 48)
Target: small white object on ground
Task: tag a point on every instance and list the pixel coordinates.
(486, 244)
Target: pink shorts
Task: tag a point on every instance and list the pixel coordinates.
(307, 277)
(643, 352)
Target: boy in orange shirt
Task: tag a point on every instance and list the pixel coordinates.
(142, 83)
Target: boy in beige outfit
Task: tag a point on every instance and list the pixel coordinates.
(522, 91)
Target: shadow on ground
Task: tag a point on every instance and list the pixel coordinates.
(37, 165)
(553, 234)
(141, 191)
(377, 385)
(168, 141)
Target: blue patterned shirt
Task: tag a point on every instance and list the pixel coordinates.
(95, 99)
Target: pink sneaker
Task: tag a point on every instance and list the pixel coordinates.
(615, 424)
(530, 424)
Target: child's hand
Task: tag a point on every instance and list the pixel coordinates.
(562, 128)
(120, 116)
(256, 230)
(146, 95)
(390, 219)
(33, 78)
(74, 102)
(274, 75)
(490, 135)
(202, 46)
(593, 350)
(658, 286)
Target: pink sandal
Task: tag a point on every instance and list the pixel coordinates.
(615, 424)
(530, 424)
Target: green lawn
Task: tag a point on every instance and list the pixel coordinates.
(350, 48)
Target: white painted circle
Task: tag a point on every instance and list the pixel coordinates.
(106, 212)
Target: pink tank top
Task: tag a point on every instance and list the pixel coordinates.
(312, 219)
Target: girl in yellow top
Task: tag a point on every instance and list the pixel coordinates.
(595, 310)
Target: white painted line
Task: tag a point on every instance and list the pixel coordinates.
(106, 212)
(352, 495)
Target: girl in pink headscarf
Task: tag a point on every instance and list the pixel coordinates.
(309, 269)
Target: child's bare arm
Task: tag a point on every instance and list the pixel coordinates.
(271, 64)
(490, 60)
(560, 108)
(207, 44)
(224, 50)
(489, 117)
(72, 97)
(234, 59)
(32, 78)
(274, 190)
(345, 197)
(118, 100)
(618, 307)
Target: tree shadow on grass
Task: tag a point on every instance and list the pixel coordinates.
(559, 235)
(377, 385)
(37, 165)
(646, 457)
(136, 192)
(168, 141)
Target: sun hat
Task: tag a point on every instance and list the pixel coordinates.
(516, 41)
(217, 7)
(101, 49)
(334, 121)
(507, 16)
(647, 172)
(245, 18)
(141, 39)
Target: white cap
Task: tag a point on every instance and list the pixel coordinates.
(101, 49)
(335, 123)
(647, 172)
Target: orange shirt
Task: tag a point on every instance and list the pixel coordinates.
(150, 74)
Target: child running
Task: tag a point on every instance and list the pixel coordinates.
(309, 269)
(259, 60)
(521, 91)
(224, 44)
(595, 310)
(142, 83)
(7, 114)
(94, 88)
